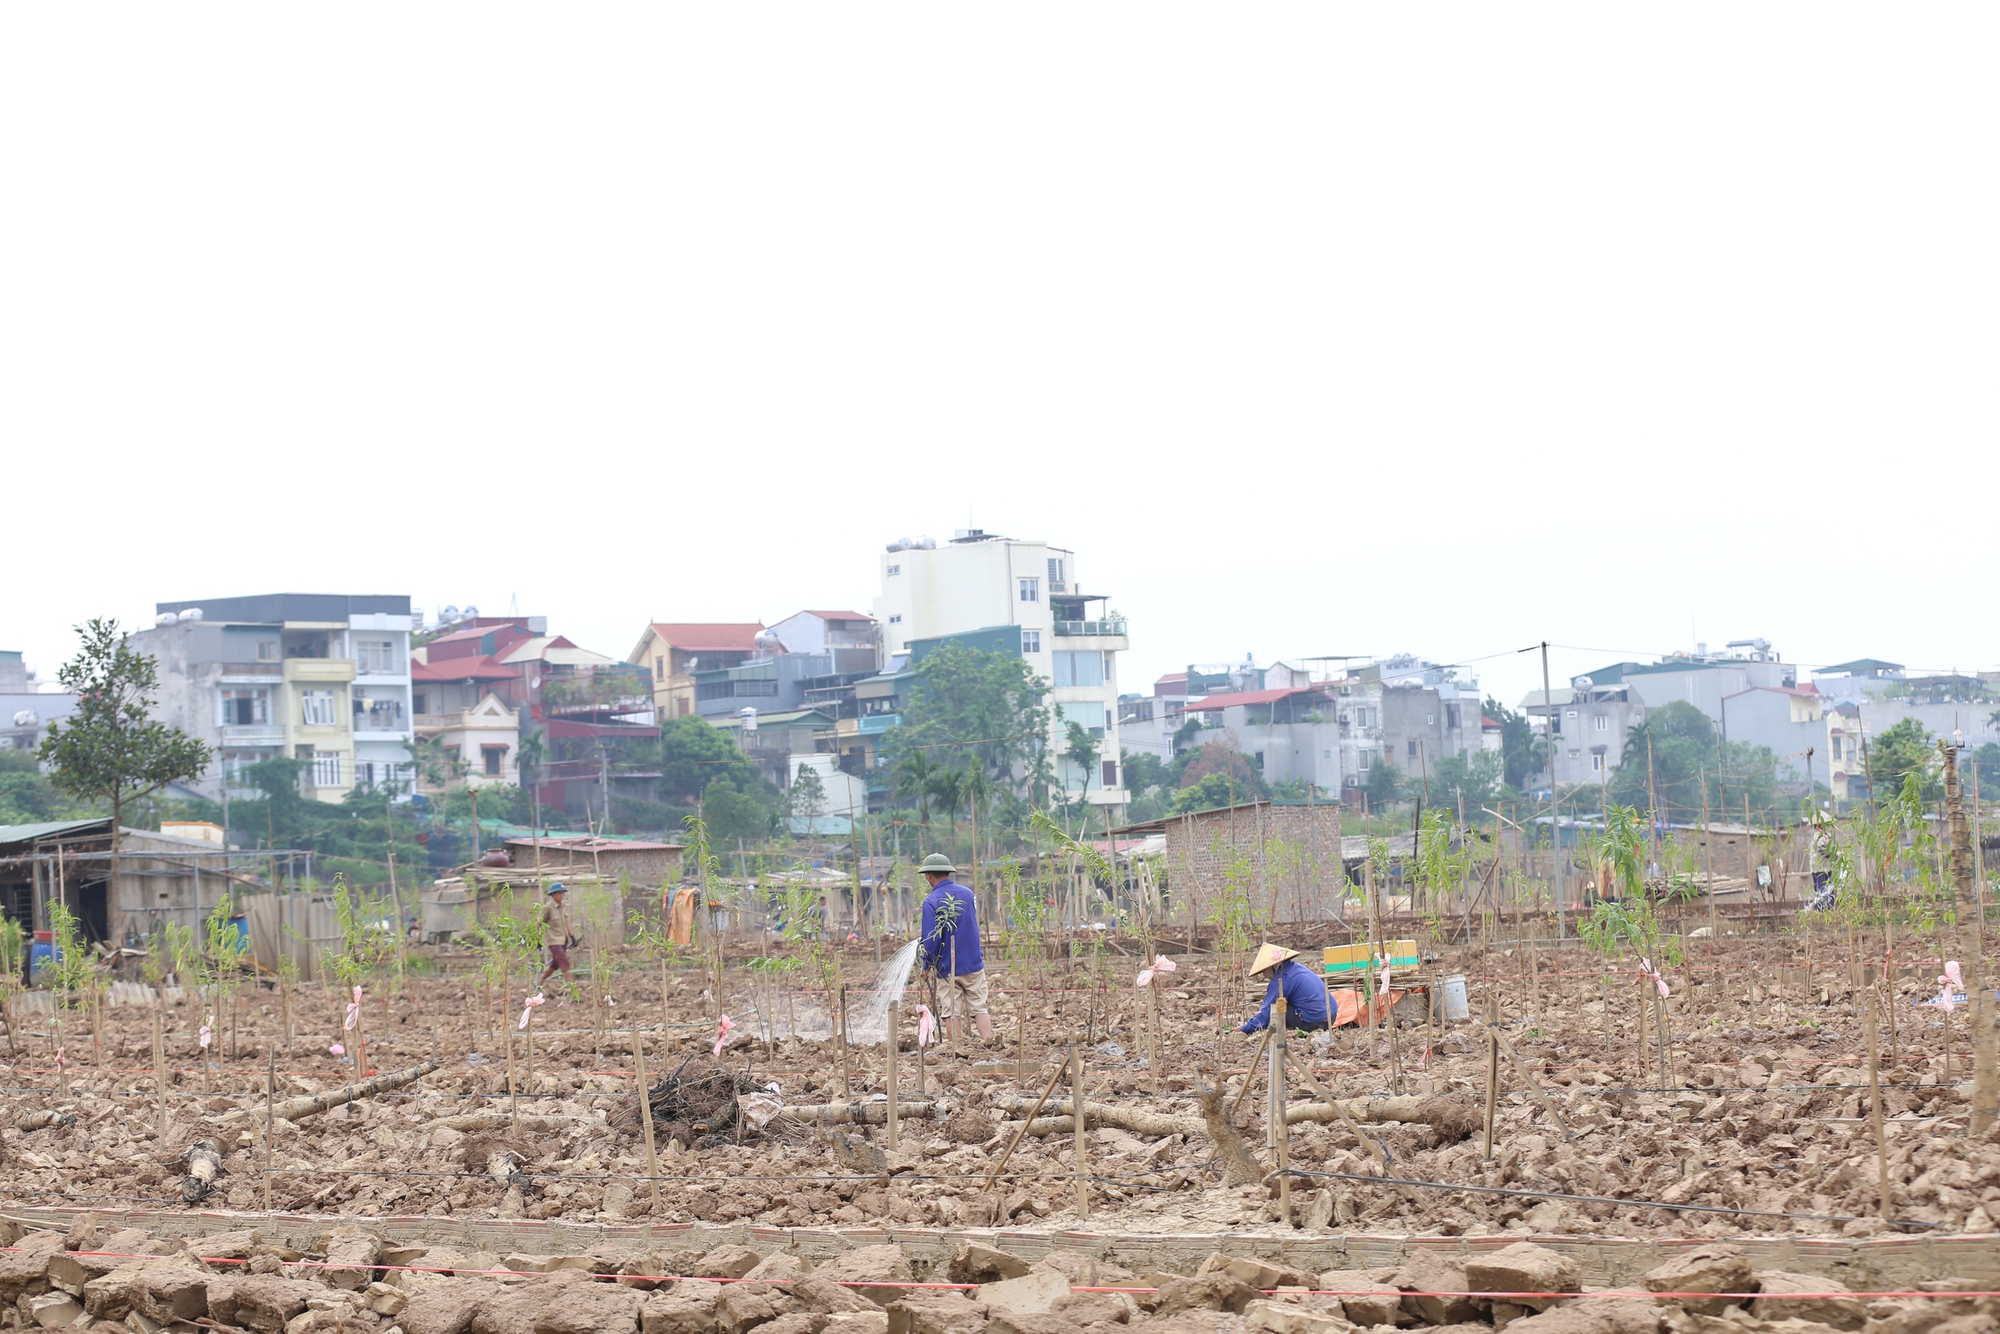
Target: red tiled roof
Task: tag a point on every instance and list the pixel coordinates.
(481, 668)
(715, 637)
(1485, 722)
(838, 615)
(1247, 697)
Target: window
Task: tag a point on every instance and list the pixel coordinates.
(659, 668)
(1056, 573)
(234, 763)
(420, 700)
(267, 650)
(1079, 667)
(896, 619)
(1031, 590)
(1570, 714)
(316, 709)
(1107, 720)
(245, 706)
(375, 655)
(1413, 748)
(1031, 641)
(1573, 754)
(1601, 721)
(495, 756)
(1111, 773)
(1597, 764)
(895, 569)
(326, 768)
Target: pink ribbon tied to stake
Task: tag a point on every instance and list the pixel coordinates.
(1646, 969)
(926, 1026)
(353, 1011)
(1950, 984)
(528, 1011)
(59, 1060)
(1160, 965)
(722, 1033)
(207, 1034)
(336, 1050)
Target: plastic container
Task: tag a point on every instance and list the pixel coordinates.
(1457, 1008)
(41, 956)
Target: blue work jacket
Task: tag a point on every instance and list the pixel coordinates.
(1305, 997)
(955, 952)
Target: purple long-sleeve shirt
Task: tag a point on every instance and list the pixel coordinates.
(956, 952)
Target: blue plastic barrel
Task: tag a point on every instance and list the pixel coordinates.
(41, 957)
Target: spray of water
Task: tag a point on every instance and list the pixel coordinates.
(868, 1013)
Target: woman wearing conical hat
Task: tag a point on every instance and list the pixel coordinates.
(1304, 992)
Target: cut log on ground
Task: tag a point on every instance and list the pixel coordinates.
(311, 1104)
(1407, 1109)
(866, 1113)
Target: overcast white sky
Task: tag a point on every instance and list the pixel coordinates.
(1313, 329)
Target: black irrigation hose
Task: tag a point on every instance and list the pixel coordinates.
(1593, 1199)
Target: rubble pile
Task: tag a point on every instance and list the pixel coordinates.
(352, 1281)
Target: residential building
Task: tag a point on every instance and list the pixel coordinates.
(1592, 720)
(320, 678)
(26, 710)
(675, 651)
(772, 741)
(848, 635)
(1291, 734)
(1871, 696)
(1022, 597)
(592, 714)
(1406, 711)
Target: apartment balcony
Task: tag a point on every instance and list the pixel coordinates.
(319, 671)
(250, 736)
(874, 724)
(262, 671)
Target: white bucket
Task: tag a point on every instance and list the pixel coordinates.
(1456, 1008)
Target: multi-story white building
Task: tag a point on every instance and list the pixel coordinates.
(1030, 594)
(323, 678)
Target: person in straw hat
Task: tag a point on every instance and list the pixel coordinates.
(1304, 991)
(950, 948)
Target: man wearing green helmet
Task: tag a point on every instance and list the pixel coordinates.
(950, 947)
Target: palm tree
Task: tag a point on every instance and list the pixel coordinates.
(911, 778)
(947, 788)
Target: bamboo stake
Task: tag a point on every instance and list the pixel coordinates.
(270, 1119)
(895, 1040)
(1250, 1076)
(513, 1091)
(846, 1087)
(1048, 1088)
(1081, 1143)
(1875, 1113)
(1492, 1070)
(160, 1069)
(1153, 1031)
(646, 1119)
(1280, 1132)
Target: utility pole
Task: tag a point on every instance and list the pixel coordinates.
(1555, 811)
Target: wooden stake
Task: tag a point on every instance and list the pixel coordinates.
(846, 1086)
(1492, 1070)
(1875, 1112)
(270, 1091)
(646, 1120)
(1280, 1132)
(1082, 1147)
(1048, 1088)
(894, 1040)
(513, 1093)
(1153, 1031)
(160, 1069)
(1528, 1075)
(1250, 1075)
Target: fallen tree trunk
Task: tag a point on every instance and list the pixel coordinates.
(311, 1104)
(1061, 1120)
(866, 1113)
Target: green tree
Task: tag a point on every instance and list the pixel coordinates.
(110, 749)
(732, 814)
(1080, 748)
(1144, 770)
(1218, 757)
(1209, 792)
(26, 796)
(913, 778)
(1385, 785)
(1902, 751)
(694, 755)
(983, 705)
(1523, 754)
(1477, 779)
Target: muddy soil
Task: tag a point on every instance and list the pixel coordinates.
(1765, 1109)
